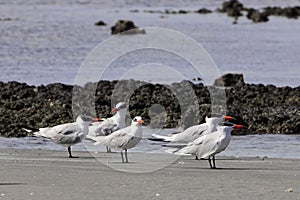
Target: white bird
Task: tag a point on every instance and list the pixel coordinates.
(207, 146)
(193, 132)
(123, 139)
(109, 125)
(67, 134)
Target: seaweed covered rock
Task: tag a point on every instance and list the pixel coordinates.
(233, 8)
(289, 12)
(100, 23)
(229, 80)
(126, 26)
(262, 108)
(257, 16)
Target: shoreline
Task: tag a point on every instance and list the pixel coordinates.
(150, 82)
(36, 175)
(255, 146)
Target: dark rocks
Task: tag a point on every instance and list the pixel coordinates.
(126, 26)
(229, 5)
(197, 79)
(203, 11)
(176, 12)
(183, 12)
(6, 19)
(233, 8)
(257, 16)
(234, 13)
(262, 108)
(289, 12)
(100, 23)
(229, 80)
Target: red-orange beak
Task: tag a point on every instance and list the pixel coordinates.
(96, 119)
(114, 110)
(228, 118)
(238, 126)
(140, 121)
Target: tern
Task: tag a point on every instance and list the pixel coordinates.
(123, 139)
(67, 134)
(193, 132)
(109, 125)
(207, 146)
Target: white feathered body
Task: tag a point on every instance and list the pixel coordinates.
(105, 127)
(186, 136)
(108, 125)
(125, 138)
(208, 145)
(193, 132)
(65, 134)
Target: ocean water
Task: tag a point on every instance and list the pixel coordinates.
(47, 41)
(271, 146)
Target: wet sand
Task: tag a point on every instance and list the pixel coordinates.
(41, 174)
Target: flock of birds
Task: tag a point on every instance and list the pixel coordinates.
(204, 140)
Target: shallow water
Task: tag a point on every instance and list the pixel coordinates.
(46, 41)
(272, 146)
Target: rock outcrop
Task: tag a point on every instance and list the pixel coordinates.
(263, 108)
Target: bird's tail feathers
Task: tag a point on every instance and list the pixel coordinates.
(38, 132)
(162, 137)
(176, 152)
(171, 151)
(91, 138)
(43, 132)
(30, 129)
(100, 140)
(174, 145)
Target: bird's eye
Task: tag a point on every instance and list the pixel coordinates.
(134, 119)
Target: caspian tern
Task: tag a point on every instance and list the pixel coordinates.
(207, 146)
(109, 125)
(67, 134)
(123, 139)
(193, 132)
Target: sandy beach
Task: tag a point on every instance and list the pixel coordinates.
(41, 174)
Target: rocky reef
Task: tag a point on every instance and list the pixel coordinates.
(263, 108)
(236, 9)
(126, 27)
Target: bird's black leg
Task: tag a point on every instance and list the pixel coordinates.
(126, 156)
(196, 158)
(108, 150)
(214, 162)
(70, 153)
(209, 161)
(122, 156)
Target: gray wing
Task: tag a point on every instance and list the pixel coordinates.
(66, 134)
(65, 129)
(66, 140)
(104, 128)
(119, 138)
(190, 134)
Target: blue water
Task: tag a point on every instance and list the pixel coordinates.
(46, 41)
(271, 146)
